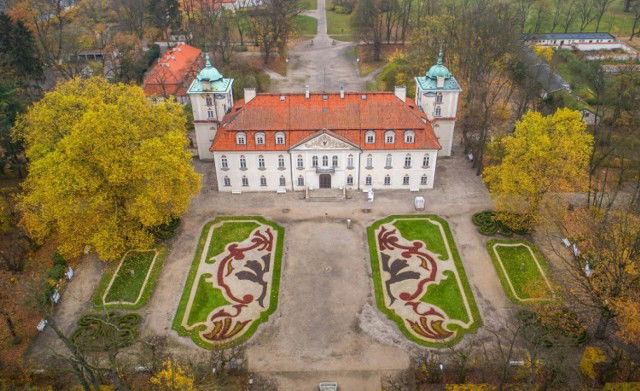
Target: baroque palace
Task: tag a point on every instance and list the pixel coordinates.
(312, 140)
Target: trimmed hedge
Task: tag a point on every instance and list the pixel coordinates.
(489, 226)
(275, 285)
(100, 332)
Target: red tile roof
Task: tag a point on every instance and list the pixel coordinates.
(348, 118)
(174, 71)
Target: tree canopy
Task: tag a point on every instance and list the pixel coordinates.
(106, 166)
(544, 154)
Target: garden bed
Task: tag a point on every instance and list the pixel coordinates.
(233, 282)
(420, 281)
(522, 270)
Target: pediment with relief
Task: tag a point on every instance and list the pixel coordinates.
(325, 141)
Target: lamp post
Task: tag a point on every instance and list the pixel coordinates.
(587, 270)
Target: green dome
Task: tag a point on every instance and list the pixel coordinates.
(438, 70)
(209, 72)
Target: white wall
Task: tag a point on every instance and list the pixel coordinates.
(444, 132)
(271, 172)
(205, 132)
(397, 170)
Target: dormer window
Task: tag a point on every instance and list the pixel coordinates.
(370, 137)
(209, 101)
(409, 136)
(241, 138)
(389, 137)
(280, 138)
(440, 82)
(260, 138)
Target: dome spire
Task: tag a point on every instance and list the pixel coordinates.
(440, 56)
(207, 63)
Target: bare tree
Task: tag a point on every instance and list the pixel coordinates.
(601, 8)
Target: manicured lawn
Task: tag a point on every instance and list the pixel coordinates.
(434, 314)
(306, 25)
(522, 270)
(130, 284)
(339, 25)
(230, 291)
(309, 4)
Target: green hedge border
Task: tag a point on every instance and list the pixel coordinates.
(377, 281)
(503, 277)
(275, 285)
(148, 289)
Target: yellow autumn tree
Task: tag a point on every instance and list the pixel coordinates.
(106, 165)
(543, 154)
(544, 52)
(173, 377)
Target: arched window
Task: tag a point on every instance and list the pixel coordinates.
(367, 180)
(334, 161)
(224, 162)
(369, 161)
(389, 137)
(314, 161)
(439, 97)
(350, 161)
(405, 180)
(350, 180)
(243, 162)
(245, 181)
(261, 164)
(260, 139)
(300, 180)
(438, 111)
(300, 162)
(227, 181)
(281, 162)
(241, 138)
(409, 136)
(263, 181)
(425, 161)
(407, 161)
(388, 161)
(325, 161)
(423, 180)
(280, 138)
(370, 137)
(283, 182)
(387, 180)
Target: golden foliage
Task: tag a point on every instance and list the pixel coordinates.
(544, 154)
(106, 165)
(592, 355)
(544, 52)
(173, 376)
(469, 387)
(628, 319)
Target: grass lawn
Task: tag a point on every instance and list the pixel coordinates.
(133, 282)
(309, 4)
(306, 25)
(522, 278)
(208, 296)
(338, 25)
(452, 294)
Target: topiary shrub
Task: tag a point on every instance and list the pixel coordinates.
(488, 225)
(166, 231)
(100, 332)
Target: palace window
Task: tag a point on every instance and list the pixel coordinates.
(245, 181)
(280, 138)
(350, 180)
(314, 161)
(334, 161)
(388, 161)
(261, 162)
(300, 180)
(370, 137)
(300, 161)
(260, 138)
(438, 111)
(369, 161)
(211, 114)
(325, 161)
(407, 161)
(243, 163)
(389, 137)
(350, 161)
(227, 181)
(283, 181)
(439, 97)
(241, 138)
(367, 180)
(280, 161)
(423, 180)
(409, 136)
(209, 101)
(405, 180)
(425, 161)
(263, 181)
(224, 162)
(387, 180)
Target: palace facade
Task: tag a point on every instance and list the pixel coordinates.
(311, 140)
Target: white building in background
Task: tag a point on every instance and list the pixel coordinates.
(340, 140)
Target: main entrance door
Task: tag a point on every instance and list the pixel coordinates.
(325, 181)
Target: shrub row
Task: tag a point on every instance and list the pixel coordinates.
(488, 225)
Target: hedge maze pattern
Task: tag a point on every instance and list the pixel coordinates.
(420, 282)
(100, 332)
(233, 285)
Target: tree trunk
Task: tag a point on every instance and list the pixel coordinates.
(603, 324)
(10, 325)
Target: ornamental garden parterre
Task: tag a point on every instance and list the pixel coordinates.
(419, 279)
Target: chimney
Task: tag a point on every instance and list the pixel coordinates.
(249, 94)
(306, 91)
(401, 93)
(341, 92)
